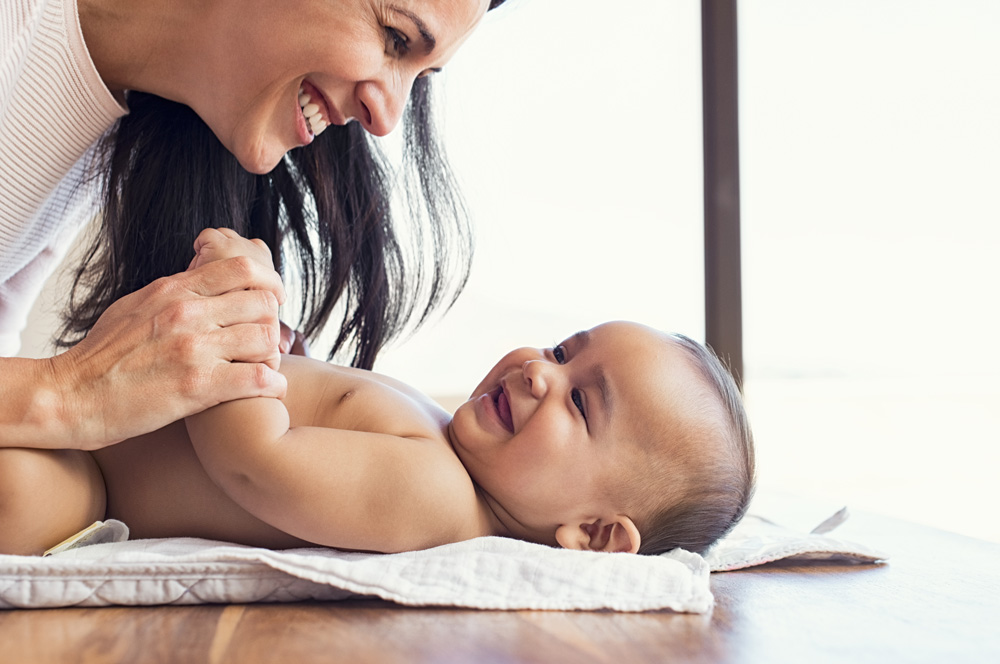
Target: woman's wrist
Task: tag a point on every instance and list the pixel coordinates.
(34, 407)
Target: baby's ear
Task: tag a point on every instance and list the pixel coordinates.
(617, 534)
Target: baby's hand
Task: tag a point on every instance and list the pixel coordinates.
(214, 244)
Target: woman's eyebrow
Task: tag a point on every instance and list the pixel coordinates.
(430, 42)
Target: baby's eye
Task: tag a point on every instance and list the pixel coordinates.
(578, 401)
(559, 353)
(396, 42)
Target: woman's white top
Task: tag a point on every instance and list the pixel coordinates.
(53, 108)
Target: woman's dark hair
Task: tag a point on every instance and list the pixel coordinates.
(324, 211)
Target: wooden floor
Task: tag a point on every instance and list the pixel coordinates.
(936, 601)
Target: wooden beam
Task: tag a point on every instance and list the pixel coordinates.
(723, 289)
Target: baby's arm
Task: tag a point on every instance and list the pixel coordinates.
(338, 488)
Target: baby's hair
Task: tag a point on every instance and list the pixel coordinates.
(718, 484)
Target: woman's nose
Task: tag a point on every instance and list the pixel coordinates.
(382, 104)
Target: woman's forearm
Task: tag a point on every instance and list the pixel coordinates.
(172, 348)
(175, 347)
(33, 408)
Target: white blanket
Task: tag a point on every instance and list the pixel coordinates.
(487, 573)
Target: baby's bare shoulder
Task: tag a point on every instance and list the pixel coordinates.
(326, 395)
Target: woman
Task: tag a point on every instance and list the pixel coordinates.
(216, 94)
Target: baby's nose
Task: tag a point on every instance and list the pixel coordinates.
(534, 372)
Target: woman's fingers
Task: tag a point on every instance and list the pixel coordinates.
(228, 275)
(249, 306)
(236, 326)
(180, 345)
(239, 380)
(250, 342)
(247, 325)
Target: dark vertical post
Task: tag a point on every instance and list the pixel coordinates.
(723, 290)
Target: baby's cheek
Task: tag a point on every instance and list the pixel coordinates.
(462, 429)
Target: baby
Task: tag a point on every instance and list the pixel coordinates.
(621, 438)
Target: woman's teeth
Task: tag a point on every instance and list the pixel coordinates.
(311, 112)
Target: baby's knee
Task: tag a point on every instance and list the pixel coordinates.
(46, 496)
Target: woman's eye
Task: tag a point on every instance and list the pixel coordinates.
(559, 353)
(578, 401)
(396, 41)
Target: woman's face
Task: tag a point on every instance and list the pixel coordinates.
(353, 59)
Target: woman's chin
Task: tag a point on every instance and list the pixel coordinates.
(260, 157)
(261, 164)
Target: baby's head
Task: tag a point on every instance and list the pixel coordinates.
(621, 438)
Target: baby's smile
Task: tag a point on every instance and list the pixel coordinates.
(502, 404)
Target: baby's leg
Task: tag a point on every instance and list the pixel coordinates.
(47, 496)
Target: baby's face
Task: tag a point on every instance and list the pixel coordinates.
(552, 434)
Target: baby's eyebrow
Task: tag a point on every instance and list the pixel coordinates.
(605, 389)
(579, 341)
(581, 338)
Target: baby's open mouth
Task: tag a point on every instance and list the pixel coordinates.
(503, 409)
(312, 104)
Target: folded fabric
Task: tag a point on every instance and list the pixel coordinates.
(758, 541)
(94, 569)
(486, 573)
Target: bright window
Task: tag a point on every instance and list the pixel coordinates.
(575, 128)
(869, 143)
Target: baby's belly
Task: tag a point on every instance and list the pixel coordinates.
(157, 486)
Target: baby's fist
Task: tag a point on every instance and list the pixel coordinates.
(214, 244)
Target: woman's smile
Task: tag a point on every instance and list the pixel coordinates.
(316, 111)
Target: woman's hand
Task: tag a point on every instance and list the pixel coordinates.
(214, 244)
(181, 344)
